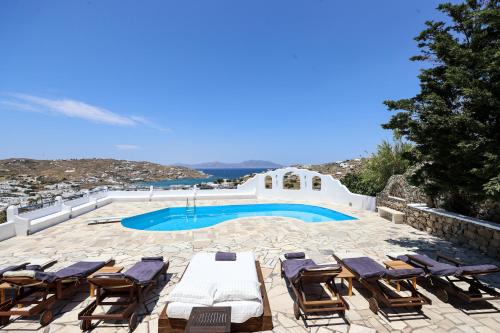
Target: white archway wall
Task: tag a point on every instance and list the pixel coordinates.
(332, 190)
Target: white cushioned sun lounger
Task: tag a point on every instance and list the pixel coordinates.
(207, 282)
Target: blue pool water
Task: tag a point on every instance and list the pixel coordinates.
(182, 218)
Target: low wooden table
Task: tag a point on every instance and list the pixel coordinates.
(105, 269)
(398, 264)
(215, 319)
(3, 287)
(346, 274)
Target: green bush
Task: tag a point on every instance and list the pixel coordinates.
(390, 159)
(3, 216)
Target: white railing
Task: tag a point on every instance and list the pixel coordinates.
(331, 191)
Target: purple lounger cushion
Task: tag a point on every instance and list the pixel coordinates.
(293, 267)
(79, 269)
(295, 255)
(434, 267)
(365, 267)
(144, 271)
(477, 269)
(399, 274)
(225, 256)
(403, 258)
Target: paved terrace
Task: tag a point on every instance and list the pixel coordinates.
(268, 238)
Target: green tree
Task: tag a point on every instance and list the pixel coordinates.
(390, 159)
(454, 119)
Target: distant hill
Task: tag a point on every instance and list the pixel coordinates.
(99, 171)
(251, 164)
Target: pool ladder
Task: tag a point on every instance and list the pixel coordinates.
(190, 210)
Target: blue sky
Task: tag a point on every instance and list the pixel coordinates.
(193, 81)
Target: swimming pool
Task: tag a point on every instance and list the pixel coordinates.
(182, 218)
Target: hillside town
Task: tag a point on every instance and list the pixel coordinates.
(27, 181)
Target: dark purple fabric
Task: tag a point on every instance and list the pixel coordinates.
(476, 269)
(293, 267)
(425, 260)
(443, 269)
(11, 268)
(365, 267)
(395, 274)
(48, 277)
(225, 256)
(79, 269)
(295, 255)
(34, 268)
(144, 271)
(434, 267)
(403, 258)
(152, 258)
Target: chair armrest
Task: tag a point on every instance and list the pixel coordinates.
(454, 261)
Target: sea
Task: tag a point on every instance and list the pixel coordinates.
(213, 175)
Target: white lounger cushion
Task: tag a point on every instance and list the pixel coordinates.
(238, 290)
(203, 269)
(241, 311)
(22, 273)
(201, 293)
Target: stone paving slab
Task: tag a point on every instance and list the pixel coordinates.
(267, 237)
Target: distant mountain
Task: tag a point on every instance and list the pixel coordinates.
(251, 164)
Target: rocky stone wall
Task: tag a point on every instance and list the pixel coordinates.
(471, 232)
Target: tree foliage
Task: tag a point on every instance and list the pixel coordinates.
(454, 119)
(390, 159)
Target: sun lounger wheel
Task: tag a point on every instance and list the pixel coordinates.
(296, 310)
(373, 304)
(85, 325)
(442, 295)
(46, 317)
(474, 290)
(132, 322)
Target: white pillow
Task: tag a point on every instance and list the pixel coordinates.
(25, 273)
(239, 290)
(199, 292)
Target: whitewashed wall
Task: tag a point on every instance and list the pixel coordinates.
(331, 190)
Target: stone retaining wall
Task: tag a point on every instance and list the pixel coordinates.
(474, 233)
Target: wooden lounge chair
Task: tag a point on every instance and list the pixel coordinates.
(37, 291)
(303, 273)
(371, 275)
(128, 288)
(263, 322)
(41, 264)
(444, 273)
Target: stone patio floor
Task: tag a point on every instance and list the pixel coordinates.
(267, 237)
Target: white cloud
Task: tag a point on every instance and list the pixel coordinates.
(127, 147)
(75, 109)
